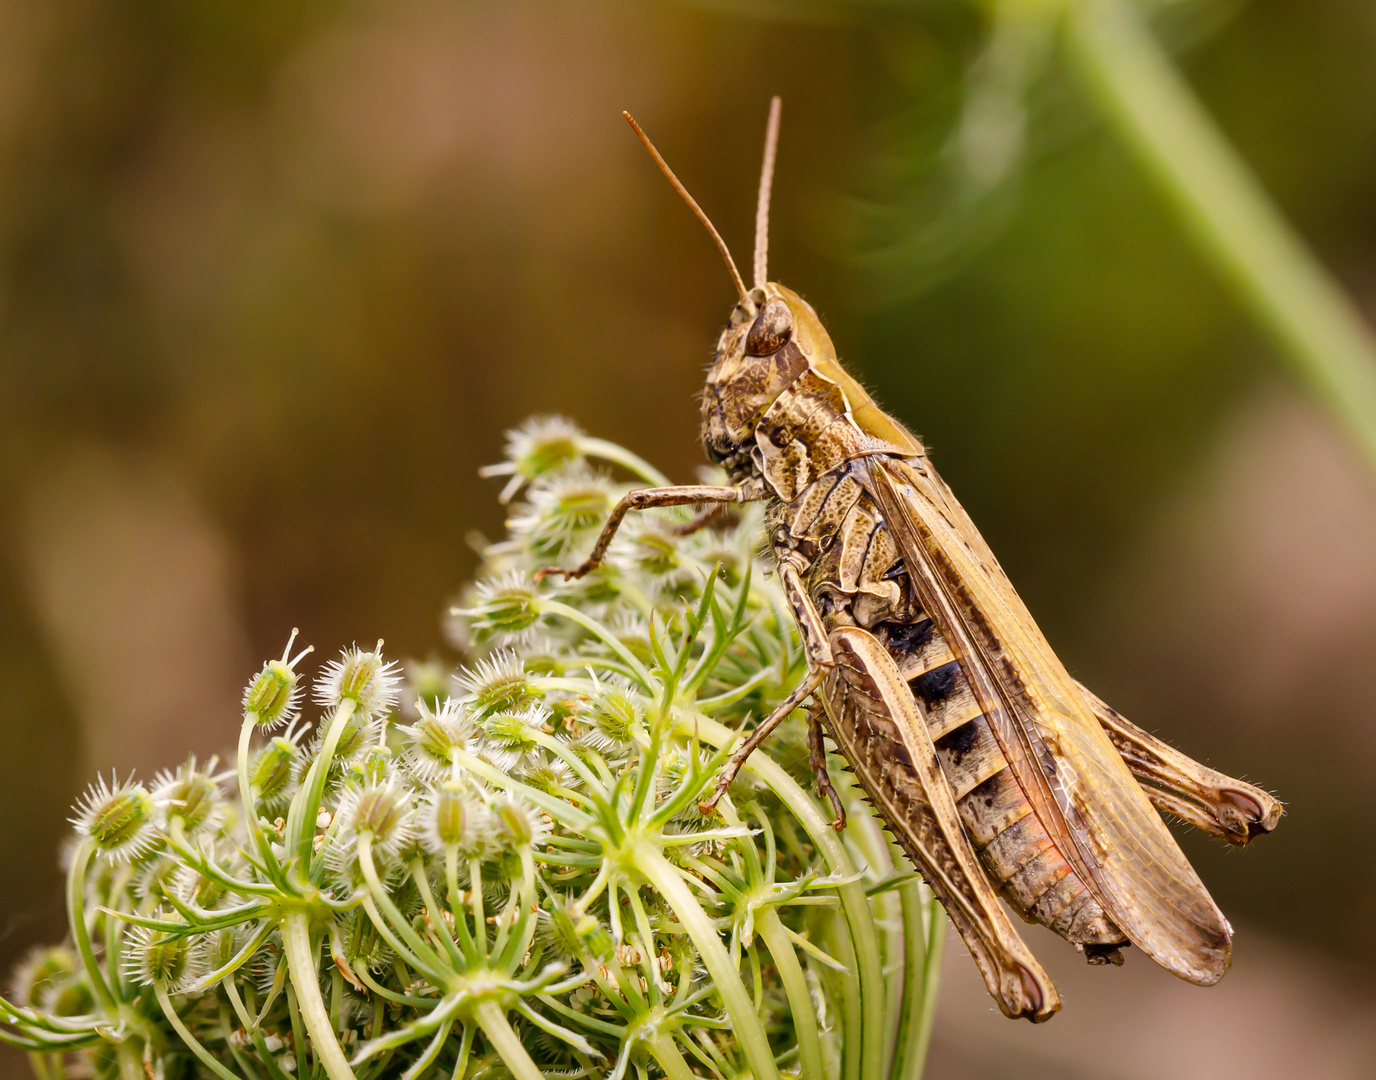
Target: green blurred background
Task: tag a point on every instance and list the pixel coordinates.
(274, 279)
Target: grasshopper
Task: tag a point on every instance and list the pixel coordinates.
(997, 772)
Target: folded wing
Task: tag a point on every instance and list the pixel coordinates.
(1076, 781)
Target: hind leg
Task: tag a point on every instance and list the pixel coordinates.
(817, 758)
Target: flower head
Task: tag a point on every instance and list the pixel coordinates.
(506, 606)
(273, 696)
(191, 794)
(518, 822)
(512, 736)
(430, 742)
(161, 958)
(539, 446)
(362, 677)
(496, 682)
(562, 510)
(454, 819)
(272, 770)
(118, 818)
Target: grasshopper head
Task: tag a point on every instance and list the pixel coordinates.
(772, 337)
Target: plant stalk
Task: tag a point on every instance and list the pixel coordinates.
(704, 934)
(296, 943)
(771, 931)
(497, 1028)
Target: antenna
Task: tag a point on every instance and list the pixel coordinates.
(771, 145)
(668, 172)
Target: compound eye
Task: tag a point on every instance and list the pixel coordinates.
(772, 330)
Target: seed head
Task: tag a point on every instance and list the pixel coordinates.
(41, 971)
(518, 822)
(546, 772)
(511, 735)
(431, 741)
(617, 715)
(271, 771)
(274, 695)
(118, 817)
(506, 606)
(375, 768)
(381, 812)
(454, 819)
(561, 510)
(361, 677)
(160, 958)
(540, 445)
(191, 794)
(498, 682)
(191, 886)
(216, 949)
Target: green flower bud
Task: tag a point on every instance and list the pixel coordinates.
(499, 682)
(507, 605)
(518, 822)
(374, 769)
(561, 510)
(159, 958)
(454, 819)
(274, 695)
(539, 446)
(432, 740)
(217, 949)
(361, 677)
(616, 716)
(118, 818)
(381, 812)
(189, 794)
(271, 771)
(42, 971)
(512, 735)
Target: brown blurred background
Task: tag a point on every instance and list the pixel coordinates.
(275, 277)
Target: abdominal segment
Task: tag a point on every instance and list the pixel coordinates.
(1019, 856)
(857, 578)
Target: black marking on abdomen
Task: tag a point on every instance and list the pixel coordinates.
(957, 743)
(938, 684)
(905, 639)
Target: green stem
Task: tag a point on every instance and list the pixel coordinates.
(250, 804)
(670, 1058)
(592, 626)
(492, 1019)
(296, 943)
(859, 917)
(703, 933)
(425, 958)
(305, 807)
(76, 918)
(905, 1061)
(130, 1065)
(192, 1043)
(771, 931)
(619, 455)
(931, 976)
(1228, 213)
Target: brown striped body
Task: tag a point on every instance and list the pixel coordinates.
(857, 578)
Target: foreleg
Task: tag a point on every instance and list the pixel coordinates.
(648, 499)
